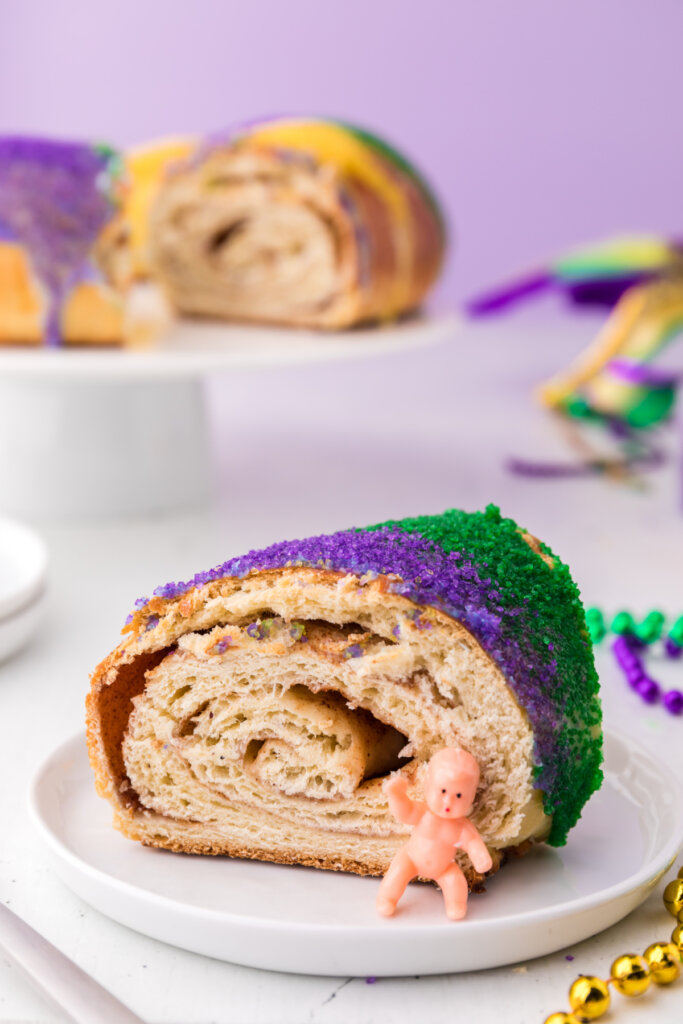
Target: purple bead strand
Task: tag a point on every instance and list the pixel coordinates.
(626, 647)
(632, 667)
(672, 648)
(673, 702)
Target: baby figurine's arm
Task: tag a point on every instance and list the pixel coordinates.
(475, 847)
(405, 810)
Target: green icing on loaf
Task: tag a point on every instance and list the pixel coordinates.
(539, 640)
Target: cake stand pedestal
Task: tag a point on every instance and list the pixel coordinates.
(87, 434)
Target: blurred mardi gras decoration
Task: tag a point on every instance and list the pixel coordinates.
(615, 381)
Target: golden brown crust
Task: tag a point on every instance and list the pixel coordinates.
(104, 310)
(108, 709)
(93, 313)
(368, 869)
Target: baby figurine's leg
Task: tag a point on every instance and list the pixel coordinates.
(401, 871)
(454, 888)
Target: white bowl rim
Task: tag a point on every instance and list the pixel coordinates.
(30, 582)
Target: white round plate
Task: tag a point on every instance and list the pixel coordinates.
(194, 348)
(319, 922)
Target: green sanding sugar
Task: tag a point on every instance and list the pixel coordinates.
(541, 644)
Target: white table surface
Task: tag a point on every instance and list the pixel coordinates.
(301, 451)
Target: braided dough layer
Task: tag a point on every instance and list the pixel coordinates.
(259, 717)
(252, 234)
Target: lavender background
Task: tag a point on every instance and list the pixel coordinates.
(542, 123)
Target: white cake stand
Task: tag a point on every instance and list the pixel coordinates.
(87, 434)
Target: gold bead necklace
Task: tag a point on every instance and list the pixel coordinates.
(630, 974)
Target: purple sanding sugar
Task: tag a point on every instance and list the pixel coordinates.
(55, 198)
(449, 581)
(259, 630)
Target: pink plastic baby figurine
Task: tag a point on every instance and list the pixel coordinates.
(441, 826)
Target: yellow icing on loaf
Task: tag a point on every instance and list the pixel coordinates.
(147, 166)
(331, 143)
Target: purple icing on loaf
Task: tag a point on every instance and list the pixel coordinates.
(55, 199)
